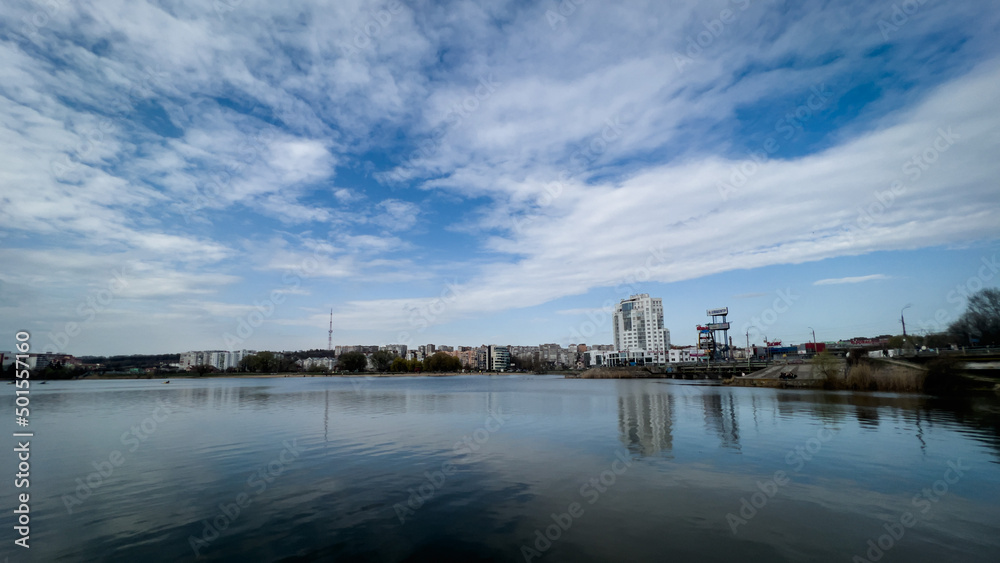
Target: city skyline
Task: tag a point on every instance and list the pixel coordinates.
(220, 176)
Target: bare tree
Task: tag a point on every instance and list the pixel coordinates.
(980, 324)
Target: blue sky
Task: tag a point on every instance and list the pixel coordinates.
(198, 175)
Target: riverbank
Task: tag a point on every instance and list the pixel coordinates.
(823, 373)
(274, 375)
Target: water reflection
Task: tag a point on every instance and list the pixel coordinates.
(720, 417)
(645, 420)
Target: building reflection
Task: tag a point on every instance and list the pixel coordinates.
(720, 417)
(645, 420)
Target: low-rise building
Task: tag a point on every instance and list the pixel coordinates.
(680, 355)
(637, 358)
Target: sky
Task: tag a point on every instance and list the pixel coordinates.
(222, 175)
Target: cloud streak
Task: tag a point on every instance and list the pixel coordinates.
(851, 280)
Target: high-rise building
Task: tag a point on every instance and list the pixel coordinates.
(638, 325)
(499, 358)
(482, 358)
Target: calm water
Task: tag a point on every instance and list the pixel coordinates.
(377, 470)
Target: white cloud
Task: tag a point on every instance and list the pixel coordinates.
(670, 223)
(854, 279)
(396, 215)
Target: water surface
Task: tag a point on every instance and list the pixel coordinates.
(493, 468)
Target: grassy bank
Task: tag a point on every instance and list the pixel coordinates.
(620, 373)
(866, 374)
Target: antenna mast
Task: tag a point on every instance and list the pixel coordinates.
(329, 336)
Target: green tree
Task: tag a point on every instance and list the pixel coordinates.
(827, 368)
(442, 362)
(399, 365)
(203, 369)
(980, 323)
(527, 363)
(55, 370)
(261, 362)
(383, 360)
(353, 361)
(938, 340)
(286, 363)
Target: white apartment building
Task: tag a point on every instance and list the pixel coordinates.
(219, 359)
(329, 364)
(398, 349)
(638, 326)
(499, 358)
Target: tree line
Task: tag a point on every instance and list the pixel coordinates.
(979, 325)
